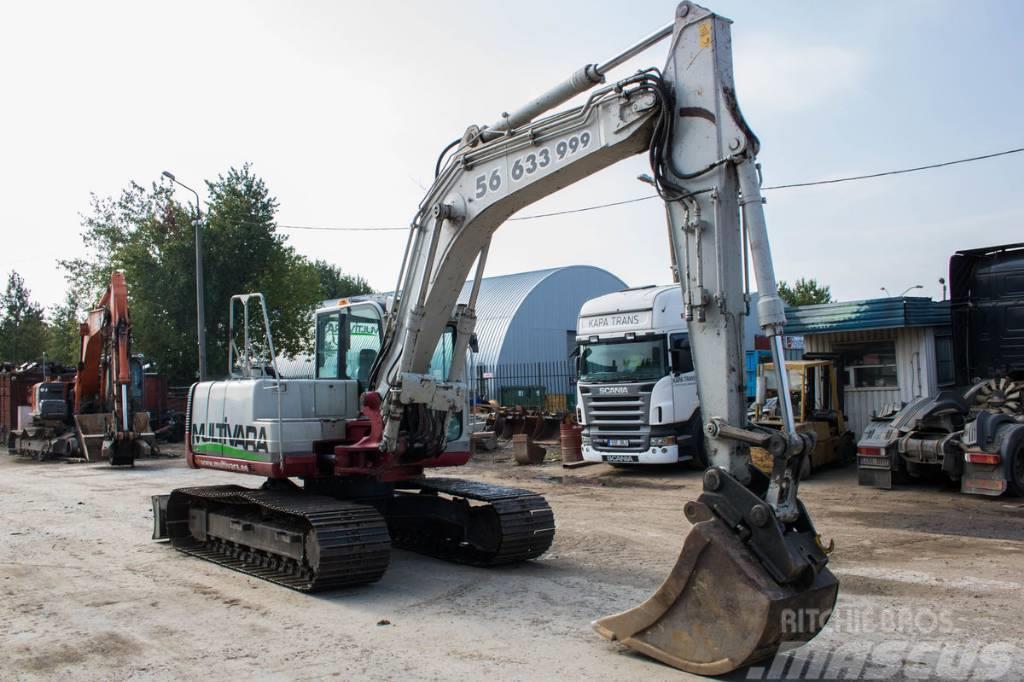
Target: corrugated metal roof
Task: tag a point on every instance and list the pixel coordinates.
(501, 300)
(875, 313)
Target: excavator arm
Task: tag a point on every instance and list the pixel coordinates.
(103, 406)
(753, 558)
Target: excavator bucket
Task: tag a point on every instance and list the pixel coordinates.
(92, 429)
(719, 609)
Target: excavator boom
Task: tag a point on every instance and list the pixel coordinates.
(753, 556)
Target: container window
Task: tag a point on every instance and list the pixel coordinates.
(870, 365)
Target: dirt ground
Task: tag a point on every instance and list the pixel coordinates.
(87, 594)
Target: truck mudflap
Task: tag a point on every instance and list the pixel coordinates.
(724, 606)
(875, 478)
(992, 460)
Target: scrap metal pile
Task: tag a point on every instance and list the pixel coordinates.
(506, 422)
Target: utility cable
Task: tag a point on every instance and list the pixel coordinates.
(595, 207)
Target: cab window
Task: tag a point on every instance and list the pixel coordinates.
(441, 360)
(328, 346)
(347, 343)
(363, 326)
(679, 353)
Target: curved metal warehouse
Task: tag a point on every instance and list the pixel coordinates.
(531, 316)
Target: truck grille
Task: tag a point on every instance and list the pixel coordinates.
(623, 419)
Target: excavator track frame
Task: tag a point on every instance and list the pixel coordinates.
(344, 543)
(311, 542)
(512, 525)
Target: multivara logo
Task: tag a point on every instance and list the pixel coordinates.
(246, 437)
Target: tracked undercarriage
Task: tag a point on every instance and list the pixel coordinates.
(311, 542)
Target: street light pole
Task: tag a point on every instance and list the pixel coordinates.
(916, 286)
(200, 301)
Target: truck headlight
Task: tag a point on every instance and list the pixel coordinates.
(585, 440)
(658, 442)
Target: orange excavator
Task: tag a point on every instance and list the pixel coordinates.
(92, 416)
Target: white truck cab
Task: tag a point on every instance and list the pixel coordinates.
(637, 390)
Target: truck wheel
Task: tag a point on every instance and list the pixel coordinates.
(1015, 486)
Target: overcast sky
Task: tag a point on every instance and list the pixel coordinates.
(343, 107)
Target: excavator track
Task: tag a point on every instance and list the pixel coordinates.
(342, 543)
(510, 525)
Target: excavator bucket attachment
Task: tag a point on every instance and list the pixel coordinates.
(94, 440)
(719, 609)
(92, 430)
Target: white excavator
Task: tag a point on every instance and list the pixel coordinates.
(752, 572)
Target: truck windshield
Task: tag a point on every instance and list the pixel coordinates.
(623, 361)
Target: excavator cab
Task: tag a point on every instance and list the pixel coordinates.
(50, 400)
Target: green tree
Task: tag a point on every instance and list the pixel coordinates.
(23, 331)
(151, 237)
(64, 341)
(246, 253)
(805, 292)
(335, 283)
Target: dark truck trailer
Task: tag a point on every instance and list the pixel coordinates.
(166, 416)
(987, 310)
(973, 434)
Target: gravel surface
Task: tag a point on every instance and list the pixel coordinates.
(87, 594)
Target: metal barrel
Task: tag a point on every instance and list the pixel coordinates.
(571, 440)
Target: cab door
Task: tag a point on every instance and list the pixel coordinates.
(685, 401)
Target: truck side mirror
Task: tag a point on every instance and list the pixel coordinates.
(681, 359)
(675, 356)
(474, 343)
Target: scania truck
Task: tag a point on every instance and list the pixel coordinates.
(637, 391)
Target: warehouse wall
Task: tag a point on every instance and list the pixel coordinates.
(545, 319)
(916, 373)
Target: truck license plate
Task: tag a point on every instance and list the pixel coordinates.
(618, 442)
(622, 459)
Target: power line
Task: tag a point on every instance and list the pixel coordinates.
(585, 208)
(596, 207)
(340, 229)
(897, 172)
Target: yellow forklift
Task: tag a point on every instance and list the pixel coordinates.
(814, 393)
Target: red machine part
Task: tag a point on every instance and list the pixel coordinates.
(108, 321)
